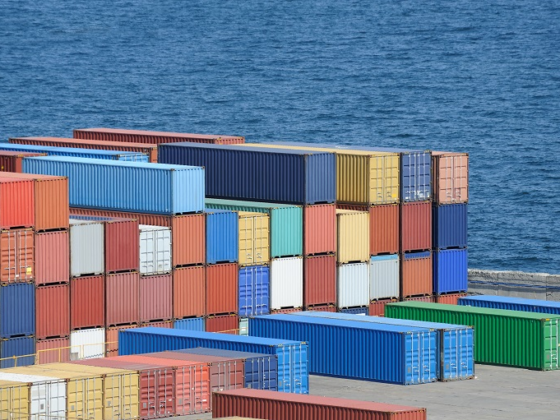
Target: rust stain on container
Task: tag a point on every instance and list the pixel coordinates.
(122, 296)
(10, 161)
(416, 226)
(112, 339)
(189, 292)
(87, 302)
(319, 229)
(416, 274)
(451, 299)
(52, 350)
(450, 177)
(319, 280)
(17, 202)
(122, 245)
(155, 298)
(52, 318)
(52, 257)
(17, 255)
(227, 324)
(377, 307)
(221, 289)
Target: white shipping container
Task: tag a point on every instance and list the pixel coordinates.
(47, 395)
(352, 282)
(155, 249)
(286, 283)
(87, 247)
(384, 281)
(87, 344)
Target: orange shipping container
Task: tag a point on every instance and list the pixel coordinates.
(377, 307)
(322, 308)
(416, 226)
(158, 324)
(227, 324)
(52, 257)
(17, 256)
(122, 297)
(53, 350)
(416, 272)
(189, 292)
(450, 177)
(221, 289)
(87, 302)
(449, 299)
(52, 318)
(319, 278)
(155, 298)
(17, 202)
(112, 339)
(429, 299)
(319, 229)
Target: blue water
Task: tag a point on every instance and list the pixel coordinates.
(481, 76)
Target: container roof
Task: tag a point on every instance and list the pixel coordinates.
(237, 148)
(54, 149)
(105, 162)
(514, 300)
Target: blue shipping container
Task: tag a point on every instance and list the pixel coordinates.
(191, 324)
(449, 226)
(126, 186)
(358, 350)
(254, 286)
(16, 348)
(259, 174)
(512, 304)
(17, 310)
(455, 352)
(76, 152)
(261, 370)
(355, 311)
(450, 271)
(222, 236)
(293, 373)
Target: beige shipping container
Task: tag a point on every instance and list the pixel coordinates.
(254, 234)
(352, 231)
(450, 172)
(14, 400)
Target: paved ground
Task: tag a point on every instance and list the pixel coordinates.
(497, 393)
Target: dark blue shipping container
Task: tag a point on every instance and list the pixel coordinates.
(17, 310)
(254, 286)
(449, 226)
(261, 370)
(356, 311)
(358, 350)
(450, 271)
(191, 324)
(293, 373)
(222, 236)
(15, 348)
(258, 173)
(512, 304)
(77, 152)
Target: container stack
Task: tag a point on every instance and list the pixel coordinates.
(75, 152)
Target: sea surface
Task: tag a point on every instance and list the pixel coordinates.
(481, 76)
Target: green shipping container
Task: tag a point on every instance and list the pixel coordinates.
(286, 223)
(510, 338)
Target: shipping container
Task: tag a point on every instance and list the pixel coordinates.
(254, 233)
(352, 236)
(191, 324)
(377, 307)
(352, 285)
(76, 152)
(319, 229)
(17, 259)
(122, 245)
(222, 236)
(450, 299)
(420, 299)
(362, 310)
(189, 292)
(254, 290)
(286, 223)
(11, 161)
(19, 351)
(87, 243)
(450, 177)
(122, 297)
(17, 310)
(53, 310)
(511, 304)
(319, 280)
(14, 400)
(155, 250)
(416, 274)
(156, 298)
(292, 176)
(87, 302)
(509, 338)
(293, 375)
(157, 324)
(450, 271)
(112, 339)
(226, 324)
(385, 353)
(52, 257)
(17, 201)
(322, 308)
(449, 226)
(286, 283)
(87, 344)
(244, 326)
(285, 311)
(126, 186)
(221, 289)
(384, 278)
(52, 350)
(149, 150)
(153, 137)
(416, 226)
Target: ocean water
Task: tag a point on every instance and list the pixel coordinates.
(481, 76)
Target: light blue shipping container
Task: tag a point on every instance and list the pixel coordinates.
(191, 324)
(126, 186)
(222, 236)
(450, 271)
(293, 373)
(21, 349)
(254, 289)
(512, 304)
(358, 350)
(77, 152)
(17, 310)
(455, 353)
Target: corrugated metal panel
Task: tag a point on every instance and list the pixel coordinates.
(511, 304)
(189, 241)
(191, 324)
(363, 310)
(87, 247)
(14, 399)
(286, 283)
(221, 289)
(377, 308)
(450, 226)
(387, 353)
(76, 152)
(416, 226)
(226, 324)
(87, 297)
(112, 339)
(156, 298)
(52, 257)
(450, 299)
(87, 344)
(155, 250)
(254, 290)
(352, 285)
(254, 233)
(17, 261)
(416, 274)
(420, 299)
(189, 292)
(384, 278)
(319, 280)
(53, 311)
(222, 236)
(122, 246)
(158, 324)
(17, 310)
(127, 186)
(450, 177)
(11, 161)
(53, 350)
(17, 348)
(450, 271)
(18, 202)
(122, 298)
(294, 177)
(319, 225)
(352, 236)
(322, 308)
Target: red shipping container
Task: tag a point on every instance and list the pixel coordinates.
(87, 302)
(430, 299)
(283, 406)
(122, 296)
(377, 307)
(52, 257)
(189, 292)
(112, 339)
(221, 289)
(319, 229)
(226, 324)
(319, 279)
(10, 161)
(157, 324)
(322, 308)
(53, 350)
(416, 226)
(416, 275)
(17, 263)
(156, 298)
(52, 317)
(17, 203)
(451, 299)
(122, 245)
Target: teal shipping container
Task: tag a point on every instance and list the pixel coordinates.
(286, 223)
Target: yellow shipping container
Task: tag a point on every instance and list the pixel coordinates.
(352, 236)
(14, 400)
(254, 233)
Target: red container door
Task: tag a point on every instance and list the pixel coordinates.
(319, 280)
(52, 311)
(87, 297)
(52, 257)
(122, 246)
(319, 229)
(156, 393)
(193, 389)
(384, 229)
(17, 256)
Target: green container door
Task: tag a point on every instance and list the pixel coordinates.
(511, 338)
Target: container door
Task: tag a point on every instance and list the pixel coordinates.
(246, 291)
(551, 343)
(165, 393)
(384, 179)
(148, 394)
(17, 256)
(85, 398)
(193, 390)
(452, 179)
(261, 242)
(246, 238)
(48, 399)
(147, 251)
(261, 290)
